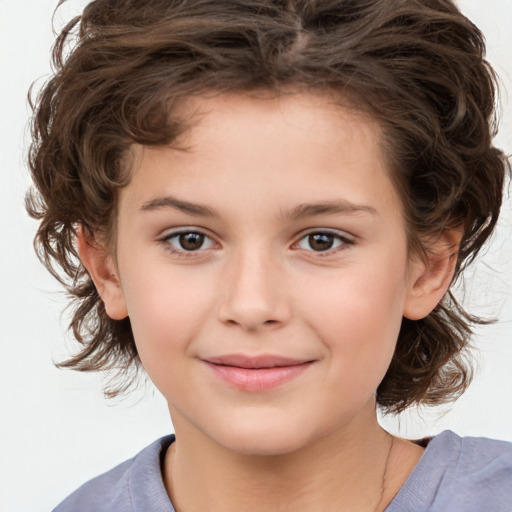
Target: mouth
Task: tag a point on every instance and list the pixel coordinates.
(256, 373)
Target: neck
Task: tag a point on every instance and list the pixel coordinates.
(342, 471)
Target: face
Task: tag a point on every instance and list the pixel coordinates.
(264, 269)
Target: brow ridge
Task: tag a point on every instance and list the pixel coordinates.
(298, 212)
(159, 203)
(328, 207)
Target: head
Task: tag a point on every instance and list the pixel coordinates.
(142, 77)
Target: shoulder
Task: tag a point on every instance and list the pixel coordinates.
(475, 463)
(459, 474)
(133, 486)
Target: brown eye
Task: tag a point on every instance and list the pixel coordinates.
(188, 241)
(321, 241)
(191, 241)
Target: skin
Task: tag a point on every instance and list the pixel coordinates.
(258, 286)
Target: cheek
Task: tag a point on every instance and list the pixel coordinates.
(358, 318)
(166, 310)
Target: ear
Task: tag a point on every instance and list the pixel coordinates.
(431, 276)
(100, 265)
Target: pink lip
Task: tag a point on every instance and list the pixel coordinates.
(256, 373)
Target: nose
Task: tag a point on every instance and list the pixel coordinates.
(255, 293)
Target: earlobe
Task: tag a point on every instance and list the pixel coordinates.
(103, 272)
(431, 277)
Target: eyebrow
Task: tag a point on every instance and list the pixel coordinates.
(298, 212)
(160, 203)
(328, 207)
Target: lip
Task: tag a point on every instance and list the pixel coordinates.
(256, 373)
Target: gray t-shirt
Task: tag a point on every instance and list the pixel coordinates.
(455, 474)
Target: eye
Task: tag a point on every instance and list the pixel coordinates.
(188, 241)
(322, 241)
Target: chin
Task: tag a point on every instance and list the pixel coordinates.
(258, 437)
(272, 444)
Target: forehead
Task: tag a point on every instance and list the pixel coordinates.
(285, 149)
(317, 113)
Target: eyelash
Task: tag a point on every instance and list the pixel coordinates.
(183, 253)
(344, 242)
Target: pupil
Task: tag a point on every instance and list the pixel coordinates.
(191, 241)
(320, 241)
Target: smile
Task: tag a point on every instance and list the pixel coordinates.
(259, 373)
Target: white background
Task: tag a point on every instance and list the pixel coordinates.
(56, 430)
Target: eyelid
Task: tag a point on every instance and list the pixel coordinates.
(173, 233)
(170, 232)
(345, 238)
(332, 231)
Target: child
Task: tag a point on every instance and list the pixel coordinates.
(263, 204)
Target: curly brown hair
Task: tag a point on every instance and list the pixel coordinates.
(416, 66)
